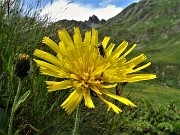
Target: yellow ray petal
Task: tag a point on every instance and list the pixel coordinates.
(120, 62)
(94, 37)
(62, 74)
(72, 101)
(47, 65)
(119, 49)
(76, 77)
(99, 68)
(48, 57)
(51, 70)
(87, 97)
(51, 44)
(114, 107)
(62, 47)
(64, 36)
(105, 41)
(129, 51)
(87, 38)
(77, 37)
(136, 60)
(48, 72)
(108, 86)
(139, 68)
(53, 86)
(95, 89)
(119, 98)
(139, 77)
(109, 49)
(110, 105)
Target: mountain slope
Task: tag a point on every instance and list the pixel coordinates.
(155, 27)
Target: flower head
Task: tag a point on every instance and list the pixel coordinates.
(84, 69)
(22, 65)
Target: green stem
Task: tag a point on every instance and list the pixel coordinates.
(13, 108)
(76, 124)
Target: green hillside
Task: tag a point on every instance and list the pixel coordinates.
(155, 27)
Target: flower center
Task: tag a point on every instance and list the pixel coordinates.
(86, 80)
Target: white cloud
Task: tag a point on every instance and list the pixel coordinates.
(107, 12)
(76, 11)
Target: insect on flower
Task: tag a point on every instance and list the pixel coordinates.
(101, 50)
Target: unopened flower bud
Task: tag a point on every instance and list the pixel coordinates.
(22, 65)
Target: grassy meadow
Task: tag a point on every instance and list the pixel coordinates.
(39, 112)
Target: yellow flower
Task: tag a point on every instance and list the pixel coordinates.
(84, 69)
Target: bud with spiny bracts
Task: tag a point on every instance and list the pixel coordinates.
(22, 65)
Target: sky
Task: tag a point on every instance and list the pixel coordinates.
(81, 10)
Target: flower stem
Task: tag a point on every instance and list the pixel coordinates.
(13, 108)
(77, 119)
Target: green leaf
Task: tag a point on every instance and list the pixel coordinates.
(2, 118)
(10, 64)
(2, 133)
(17, 132)
(4, 62)
(22, 99)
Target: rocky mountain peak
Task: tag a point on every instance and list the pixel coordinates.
(95, 20)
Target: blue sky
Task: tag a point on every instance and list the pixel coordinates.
(80, 10)
(119, 3)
